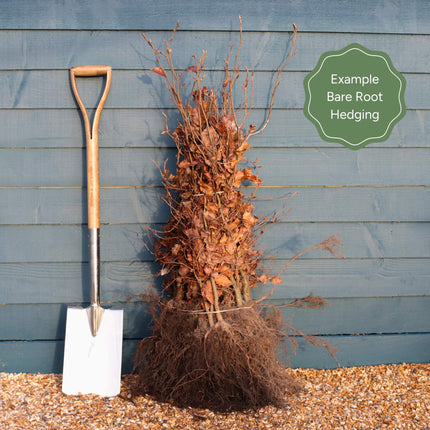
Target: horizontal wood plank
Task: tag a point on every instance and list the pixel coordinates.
(261, 50)
(25, 283)
(405, 16)
(47, 356)
(69, 243)
(51, 320)
(70, 282)
(362, 316)
(62, 128)
(65, 167)
(361, 240)
(365, 351)
(333, 278)
(64, 283)
(139, 205)
(343, 316)
(145, 89)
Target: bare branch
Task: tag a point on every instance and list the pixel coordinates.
(277, 82)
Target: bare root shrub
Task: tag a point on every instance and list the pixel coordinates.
(212, 345)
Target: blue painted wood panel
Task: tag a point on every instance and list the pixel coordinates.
(377, 198)
(59, 128)
(122, 242)
(39, 283)
(141, 128)
(345, 316)
(47, 356)
(136, 205)
(65, 167)
(144, 89)
(261, 50)
(398, 16)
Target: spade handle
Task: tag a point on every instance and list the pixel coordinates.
(92, 137)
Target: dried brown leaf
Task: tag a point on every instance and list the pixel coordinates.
(192, 69)
(248, 219)
(207, 292)
(159, 71)
(222, 281)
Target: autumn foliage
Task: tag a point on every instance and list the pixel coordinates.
(212, 344)
(208, 249)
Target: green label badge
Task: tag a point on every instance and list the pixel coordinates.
(354, 96)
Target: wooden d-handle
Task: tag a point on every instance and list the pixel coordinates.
(92, 137)
(93, 70)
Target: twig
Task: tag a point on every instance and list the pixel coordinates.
(277, 82)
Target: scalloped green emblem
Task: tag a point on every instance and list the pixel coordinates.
(354, 96)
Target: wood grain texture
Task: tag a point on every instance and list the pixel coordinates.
(135, 205)
(367, 16)
(144, 89)
(343, 317)
(63, 283)
(349, 278)
(261, 50)
(366, 351)
(141, 128)
(47, 356)
(65, 167)
(25, 283)
(51, 320)
(123, 242)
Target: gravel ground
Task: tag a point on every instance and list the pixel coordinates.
(372, 397)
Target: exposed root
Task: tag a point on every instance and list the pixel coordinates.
(230, 366)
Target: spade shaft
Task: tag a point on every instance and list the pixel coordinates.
(95, 311)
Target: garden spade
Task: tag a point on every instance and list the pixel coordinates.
(93, 342)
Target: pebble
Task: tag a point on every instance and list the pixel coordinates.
(360, 398)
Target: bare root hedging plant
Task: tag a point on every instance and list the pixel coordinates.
(212, 344)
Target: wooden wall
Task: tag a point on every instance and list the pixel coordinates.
(377, 198)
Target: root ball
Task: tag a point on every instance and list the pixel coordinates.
(229, 366)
